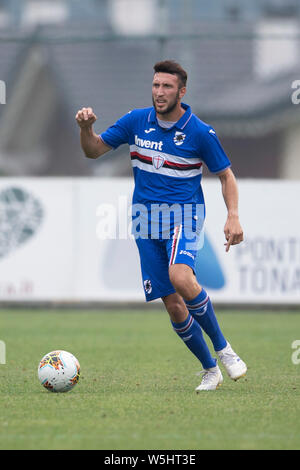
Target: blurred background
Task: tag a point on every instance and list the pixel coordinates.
(242, 59)
(57, 56)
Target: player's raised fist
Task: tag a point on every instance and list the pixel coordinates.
(85, 117)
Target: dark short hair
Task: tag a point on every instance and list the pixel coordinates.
(172, 67)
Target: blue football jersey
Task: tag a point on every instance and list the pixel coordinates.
(167, 163)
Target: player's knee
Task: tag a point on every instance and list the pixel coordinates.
(180, 276)
(176, 312)
(175, 308)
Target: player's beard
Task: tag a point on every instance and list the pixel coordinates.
(172, 105)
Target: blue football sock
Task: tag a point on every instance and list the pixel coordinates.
(202, 310)
(190, 332)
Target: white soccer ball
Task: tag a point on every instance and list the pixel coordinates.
(59, 371)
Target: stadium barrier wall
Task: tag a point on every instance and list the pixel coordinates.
(53, 246)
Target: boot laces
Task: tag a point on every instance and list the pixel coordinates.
(207, 375)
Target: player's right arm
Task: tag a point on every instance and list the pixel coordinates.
(92, 145)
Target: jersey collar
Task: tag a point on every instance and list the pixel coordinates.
(179, 124)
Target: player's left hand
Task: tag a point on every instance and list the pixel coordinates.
(233, 232)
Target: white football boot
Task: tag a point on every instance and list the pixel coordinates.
(211, 380)
(233, 364)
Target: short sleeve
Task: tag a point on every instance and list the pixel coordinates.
(119, 133)
(212, 153)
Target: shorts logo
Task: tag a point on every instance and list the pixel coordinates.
(148, 286)
(179, 138)
(158, 161)
(187, 253)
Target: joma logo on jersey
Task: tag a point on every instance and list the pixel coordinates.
(148, 144)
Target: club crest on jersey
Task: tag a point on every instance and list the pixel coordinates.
(158, 161)
(179, 138)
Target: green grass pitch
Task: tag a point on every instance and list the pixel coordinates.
(137, 383)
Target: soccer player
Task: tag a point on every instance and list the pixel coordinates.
(168, 146)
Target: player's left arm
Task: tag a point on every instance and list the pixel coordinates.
(232, 230)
